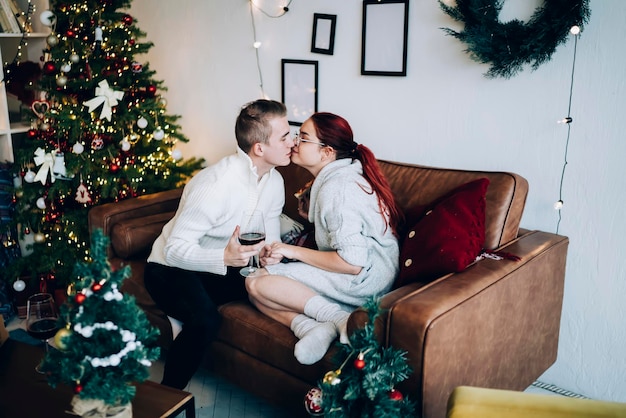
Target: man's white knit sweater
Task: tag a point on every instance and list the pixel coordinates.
(211, 206)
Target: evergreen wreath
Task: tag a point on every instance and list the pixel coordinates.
(508, 46)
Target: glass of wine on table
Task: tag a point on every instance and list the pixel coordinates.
(41, 318)
(251, 231)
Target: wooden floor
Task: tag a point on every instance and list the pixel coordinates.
(217, 398)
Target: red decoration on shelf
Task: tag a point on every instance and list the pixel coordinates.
(395, 395)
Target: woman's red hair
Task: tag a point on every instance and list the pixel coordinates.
(335, 132)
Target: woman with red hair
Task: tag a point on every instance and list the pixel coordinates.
(356, 220)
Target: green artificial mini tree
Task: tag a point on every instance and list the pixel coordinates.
(99, 133)
(105, 342)
(364, 385)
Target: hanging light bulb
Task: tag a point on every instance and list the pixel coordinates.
(565, 120)
(257, 44)
(558, 205)
(575, 30)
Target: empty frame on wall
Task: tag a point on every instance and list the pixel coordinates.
(323, 41)
(299, 89)
(384, 38)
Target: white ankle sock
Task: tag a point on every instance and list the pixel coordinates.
(315, 338)
(322, 310)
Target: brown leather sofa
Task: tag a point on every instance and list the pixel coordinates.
(495, 324)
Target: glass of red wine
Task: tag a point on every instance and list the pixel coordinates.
(251, 231)
(41, 318)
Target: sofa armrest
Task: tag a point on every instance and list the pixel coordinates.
(133, 224)
(496, 324)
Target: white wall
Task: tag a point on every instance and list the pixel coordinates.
(444, 113)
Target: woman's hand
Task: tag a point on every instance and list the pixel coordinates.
(282, 250)
(267, 258)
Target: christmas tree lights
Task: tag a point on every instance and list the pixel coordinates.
(100, 132)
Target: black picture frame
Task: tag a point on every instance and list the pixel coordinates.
(384, 37)
(299, 83)
(323, 39)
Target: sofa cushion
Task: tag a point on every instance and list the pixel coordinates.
(135, 236)
(445, 236)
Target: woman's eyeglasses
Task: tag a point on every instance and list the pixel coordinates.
(297, 139)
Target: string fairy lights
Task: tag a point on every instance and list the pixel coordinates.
(24, 21)
(558, 205)
(257, 44)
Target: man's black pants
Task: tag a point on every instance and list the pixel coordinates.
(192, 298)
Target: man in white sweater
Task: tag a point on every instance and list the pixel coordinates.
(194, 264)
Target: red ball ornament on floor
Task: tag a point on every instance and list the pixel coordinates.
(313, 402)
(395, 395)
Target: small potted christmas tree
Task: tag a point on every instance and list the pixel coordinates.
(105, 342)
(364, 384)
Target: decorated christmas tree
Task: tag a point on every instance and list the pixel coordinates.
(105, 342)
(99, 133)
(364, 385)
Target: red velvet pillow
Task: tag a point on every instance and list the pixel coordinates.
(445, 236)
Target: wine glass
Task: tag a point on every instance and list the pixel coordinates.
(251, 231)
(41, 318)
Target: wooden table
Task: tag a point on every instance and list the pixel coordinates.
(26, 393)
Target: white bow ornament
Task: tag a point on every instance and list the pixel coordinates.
(105, 96)
(46, 161)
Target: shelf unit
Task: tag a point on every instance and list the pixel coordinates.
(33, 44)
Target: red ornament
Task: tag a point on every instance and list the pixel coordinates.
(395, 395)
(151, 90)
(97, 143)
(127, 19)
(359, 363)
(96, 287)
(80, 298)
(78, 388)
(313, 402)
(114, 168)
(49, 68)
(32, 133)
(70, 33)
(136, 67)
